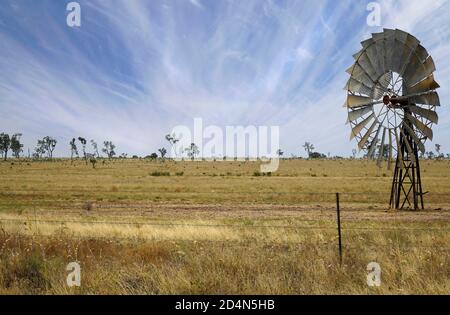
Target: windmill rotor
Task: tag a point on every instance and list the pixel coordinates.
(392, 100)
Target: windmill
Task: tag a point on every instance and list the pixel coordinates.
(391, 105)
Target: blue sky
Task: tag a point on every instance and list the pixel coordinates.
(136, 68)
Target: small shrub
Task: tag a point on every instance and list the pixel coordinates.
(88, 206)
(262, 174)
(156, 173)
(28, 271)
(93, 162)
(179, 173)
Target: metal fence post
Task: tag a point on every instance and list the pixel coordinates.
(339, 227)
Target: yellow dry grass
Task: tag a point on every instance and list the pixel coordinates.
(218, 228)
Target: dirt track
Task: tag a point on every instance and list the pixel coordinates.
(243, 211)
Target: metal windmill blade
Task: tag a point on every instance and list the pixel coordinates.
(391, 103)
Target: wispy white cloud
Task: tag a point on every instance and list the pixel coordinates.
(196, 3)
(136, 69)
(303, 53)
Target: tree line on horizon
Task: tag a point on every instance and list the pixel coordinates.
(46, 146)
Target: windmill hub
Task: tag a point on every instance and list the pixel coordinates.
(386, 100)
(390, 112)
(395, 101)
(391, 103)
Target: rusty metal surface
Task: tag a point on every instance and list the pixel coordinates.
(358, 113)
(416, 139)
(358, 87)
(366, 136)
(357, 129)
(374, 143)
(424, 129)
(429, 114)
(423, 71)
(356, 100)
(432, 98)
(425, 85)
(381, 151)
(358, 73)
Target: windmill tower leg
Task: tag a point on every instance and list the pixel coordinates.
(419, 191)
(406, 184)
(393, 200)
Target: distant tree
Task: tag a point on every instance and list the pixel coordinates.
(49, 145)
(385, 150)
(173, 142)
(40, 149)
(430, 155)
(192, 151)
(108, 149)
(37, 154)
(153, 156)
(439, 155)
(83, 147)
(163, 152)
(309, 147)
(92, 159)
(5, 144)
(16, 146)
(280, 153)
(95, 147)
(73, 149)
(317, 155)
(438, 149)
(354, 152)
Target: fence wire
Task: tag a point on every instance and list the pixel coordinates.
(239, 226)
(287, 246)
(330, 223)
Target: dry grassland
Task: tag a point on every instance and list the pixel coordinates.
(218, 228)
